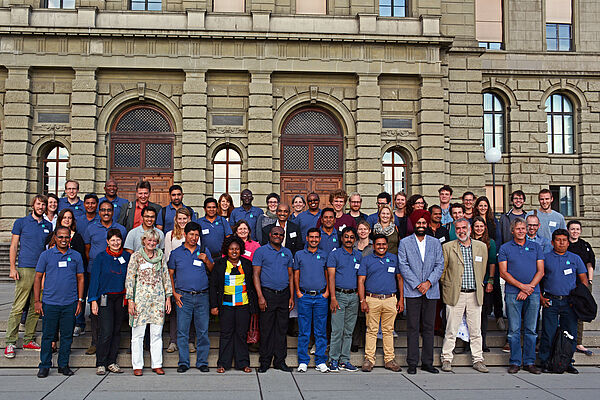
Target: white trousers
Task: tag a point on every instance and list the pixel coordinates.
(467, 303)
(137, 346)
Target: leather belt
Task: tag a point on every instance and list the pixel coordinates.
(380, 296)
(467, 290)
(347, 291)
(194, 292)
(312, 292)
(276, 291)
(553, 297)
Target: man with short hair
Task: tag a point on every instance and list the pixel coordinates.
(503, 234)
(338, 201)
(435, 227)
(62, 270)
(309, 218)
(521, 265)
(383, 199)
(312, 292)
(247, 212)
(189, 268)
(421, 263)
(130, 215)
(550, 220)
(110, 193)
(166, 216)
(274, 282)
(29, 238)
(72, 200)
(533, 225)
(329, 235)
(445, 194)
(355, 203)
(133, 241)
(379, 280)
(561, 271)
(468, 200)
(292, 239)
(213, 228)
(457, 211)
(90, 204)
(465, 263)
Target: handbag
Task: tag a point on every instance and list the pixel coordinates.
(253, 333)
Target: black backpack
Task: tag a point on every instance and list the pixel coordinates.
(562, 351)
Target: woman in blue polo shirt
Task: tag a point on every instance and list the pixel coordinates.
(107, 297)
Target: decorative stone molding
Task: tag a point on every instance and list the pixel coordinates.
(228, 131)
(397, 134)
(52, 127)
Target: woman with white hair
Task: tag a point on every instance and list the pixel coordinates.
(148, 293)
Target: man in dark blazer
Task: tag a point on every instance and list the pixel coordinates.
(130, 215)
(293, 237)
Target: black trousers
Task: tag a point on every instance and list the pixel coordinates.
(110, 318)
(497, 297)
(235, 322)
(420, 319)
(360, 329)
(273, 328)
(488, 304)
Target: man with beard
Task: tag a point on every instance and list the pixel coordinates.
(421, 263)
(165, 220)
(504, 235)
(435, 227)
(355, 204)
(465, 262)
(550, 220)
(246, 212)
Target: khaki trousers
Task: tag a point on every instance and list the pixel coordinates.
(384, 310)
(23, 291)
(467, 302)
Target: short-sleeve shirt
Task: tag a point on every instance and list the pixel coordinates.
(60, 285)
(274, 266)
(549, 222)
(346, 267)
(307, 220)
(213, 233)
(134, 238)
(521, 262)
(169, 217)
(544, 243)
(117, 203)
(32, 239)
(77, 208)
(95, 236)
(191, 274)
(560, 272)
(83, 223)
(328, 242)
(312, 269)
(380, 273)
(249, 216)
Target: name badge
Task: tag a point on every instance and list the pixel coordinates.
(197, 263)
(356, 266)
(552, 224)
(46, 231)
(442, 239)
(478, 259)
(205, 231)
(62, 264)
(145, 266)
(342, 227)
(121, 260)
(292, 235)
(392, 269)
(568, 271)
(247, 253)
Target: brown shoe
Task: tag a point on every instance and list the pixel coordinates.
(513, 369)
(159, 371)
(532, 369)
(367, 366)
(393, 366)
(91, 350)
(138, 372)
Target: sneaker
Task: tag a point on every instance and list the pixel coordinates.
(506, 348)
(31, 345)
(192, 347)
(480, 367)
(367, 366)
(77, 331)
(9, 351)
(347, 366)
(501, 324)
(334, 366)
(114, 368)
(302, 367)
(172, 348)
(322, 368)
(446, 366)
(100, 370)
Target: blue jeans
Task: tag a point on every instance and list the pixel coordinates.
(195, 305)
(558, 314)
(312, 309)
(55, 317)
(528, 309)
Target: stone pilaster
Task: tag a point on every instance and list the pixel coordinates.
(82, 165)
(193, 138)
(369, 176)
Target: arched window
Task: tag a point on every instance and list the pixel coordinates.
(559, 111)
(394, 172)
(493, 121)
(228, 173)
(55, 164)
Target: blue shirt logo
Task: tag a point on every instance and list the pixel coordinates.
(68, 258)
(334, 240)
(526, 248)
(318, 257)
(387, 260)
(217, 223)
(568, 262)
(251, 215)
(282, 255)
(77, 207)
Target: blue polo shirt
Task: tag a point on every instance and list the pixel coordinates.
(307, 220)
(380, 272)
(95, 236)
(274, 266)
(78, 209)
(213, 233)
(249, 216)
(60, 285)
(191, 274)
(312, 269)
(83, 223)
(329, 243)
(169, 217)
(521, 262)
(544, 243)
(32, 239)
(346, 267)
(560, 272)
(117, 203)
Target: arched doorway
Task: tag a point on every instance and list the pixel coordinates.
(311, 154)
(141, 147)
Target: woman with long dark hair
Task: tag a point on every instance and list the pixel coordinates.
(225, 206)
(483, 209)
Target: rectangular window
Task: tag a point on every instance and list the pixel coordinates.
(396, 123)
(146, 5)
(558, 37)
(229, 6)
(559, 17)
(392, 8)
(563, 200)
(311, 7)
(489, 192)
(64, 4)
(488, 23)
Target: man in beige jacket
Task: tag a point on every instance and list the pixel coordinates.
(465, 262)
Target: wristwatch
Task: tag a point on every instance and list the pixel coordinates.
(590, 281)
(80, 300)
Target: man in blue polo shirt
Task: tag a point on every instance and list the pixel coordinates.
(342, 269)
(311, 289)
(189, 268)
(29, 233)
(379, 280)
(247, 212)
(329, 235)
(521, 264)
(213, 228)
(90, 204)
(166, 216)
(309, 218)
(72, 199)
(273, 279)
(110, 193)
(62, 300)
(561, 271)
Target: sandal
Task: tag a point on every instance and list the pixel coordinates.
(220, 370)
(247, 370)
(587, 352)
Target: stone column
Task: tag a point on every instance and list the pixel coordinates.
(82, 165)
(193, 139)
(369, 175)
(17, 145)
(262, 151)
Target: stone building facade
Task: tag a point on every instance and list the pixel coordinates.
(307, 94)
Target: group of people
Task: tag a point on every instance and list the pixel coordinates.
(343, 278)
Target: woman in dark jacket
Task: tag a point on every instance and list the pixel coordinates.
(106, 295)
(233, 299)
